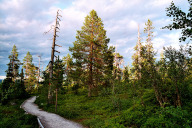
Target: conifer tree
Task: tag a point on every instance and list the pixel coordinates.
(138, 57)
(27, 62)
(149, 30)
(126, 74)
(30, 72)
(88, 51)
(12, 86)
(148, 59)
(58, 71)
(150, 71)
(68, 65)
(12, 71)
(13, 65)
(108, 70)
(118, 60)
(138, 64)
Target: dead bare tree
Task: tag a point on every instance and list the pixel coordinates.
(56, 29)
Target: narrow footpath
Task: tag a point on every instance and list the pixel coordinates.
(48, 120)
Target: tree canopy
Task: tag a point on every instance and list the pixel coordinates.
(181, 20)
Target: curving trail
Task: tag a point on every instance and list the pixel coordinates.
(49, 120)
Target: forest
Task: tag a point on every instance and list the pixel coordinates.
(91, 85)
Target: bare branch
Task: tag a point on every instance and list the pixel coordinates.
(58, 45)
(57, 51)
(58, 18)
(52, 26)
(60, 15)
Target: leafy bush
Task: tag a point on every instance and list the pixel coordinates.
(12, 116)
(170, 117)
(134, 116)
(69, 114)
(113, 123)
(96, 122)
(105, 91)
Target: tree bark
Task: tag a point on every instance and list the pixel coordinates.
(178, 95)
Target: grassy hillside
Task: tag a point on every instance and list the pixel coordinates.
(119, 110)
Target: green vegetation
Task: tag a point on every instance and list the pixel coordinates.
(30, 72)
(91, 87)
(149, 94)
(12, 116)
(123, 109)
(181, 20)
(12, 94)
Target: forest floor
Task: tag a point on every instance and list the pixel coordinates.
(12, 116)
(49, 120)
(120, 110)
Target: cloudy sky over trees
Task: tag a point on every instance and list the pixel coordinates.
(23, 23)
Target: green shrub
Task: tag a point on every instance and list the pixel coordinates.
(134, 116)
(96, 122)
(170, 117)
(12, 116)
(105, 91)
(115, 122)
(69, 114)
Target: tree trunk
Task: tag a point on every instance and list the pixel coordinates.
(178, 100)
(157, 95)
(89, 91)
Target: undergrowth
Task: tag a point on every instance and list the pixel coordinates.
(119, 110)
(12, 116)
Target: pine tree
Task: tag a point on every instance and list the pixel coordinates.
(27, 62)
(30, 72)
(138, 65)
(12, 87)
(68, 64)
(108, 70)
(138, 57)
(126, 74)
(89, 49)
(13, 65)
(118, 60)
(149, 30)
(12, 71)
(148, 57)
(58, 71)
(150, 72)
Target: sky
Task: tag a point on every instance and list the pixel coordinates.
(24, 22)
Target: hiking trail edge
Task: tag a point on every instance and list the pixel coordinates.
(48, 120)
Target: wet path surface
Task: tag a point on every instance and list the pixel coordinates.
(48, 120)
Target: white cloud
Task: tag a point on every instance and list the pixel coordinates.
(173, 39)
(9, 4)
(23, 22)
(2, 77)
(159, 3)
(158, 44)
